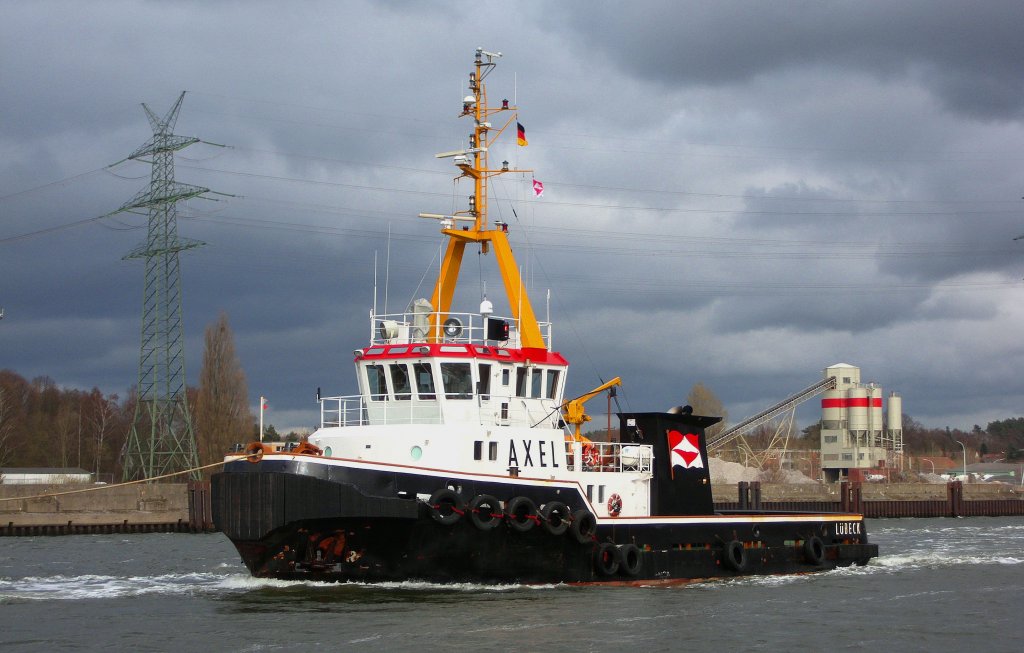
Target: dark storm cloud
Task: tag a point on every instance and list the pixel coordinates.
(745, 194)
(967, 54)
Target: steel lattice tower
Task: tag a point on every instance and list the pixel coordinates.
(161, 439)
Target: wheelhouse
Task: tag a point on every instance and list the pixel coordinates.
(466, 377)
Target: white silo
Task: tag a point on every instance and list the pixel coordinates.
(895, 414)
(875, 414)
(833, 409)
(857, 413)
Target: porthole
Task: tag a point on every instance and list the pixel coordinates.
(328, 452)
(416, 452)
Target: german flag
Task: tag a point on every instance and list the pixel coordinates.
(521, 134)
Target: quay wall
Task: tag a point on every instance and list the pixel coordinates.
(78, 509)
(185, 507)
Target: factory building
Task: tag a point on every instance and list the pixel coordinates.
(855, 439)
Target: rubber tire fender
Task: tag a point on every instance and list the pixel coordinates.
(583, 526)
(446, 506)
(485, 512)
(734, 555)
(521, 513)
(814, 550)
(555, 517)
(630, 559)
(606, 559)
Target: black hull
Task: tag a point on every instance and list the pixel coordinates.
(316, 524)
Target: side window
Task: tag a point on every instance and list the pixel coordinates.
(504, 376)
(400, 381)
(552, 384)
(375, 382)
(424, 380)
(483, 387)
(520, 382)
(457, 379)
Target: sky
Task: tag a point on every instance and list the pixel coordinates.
(736, 193)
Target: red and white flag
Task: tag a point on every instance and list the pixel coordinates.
(538, 188)
(685, 450)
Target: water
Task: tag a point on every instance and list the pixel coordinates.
(939, 585)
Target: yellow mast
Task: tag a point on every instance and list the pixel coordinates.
(473, 163)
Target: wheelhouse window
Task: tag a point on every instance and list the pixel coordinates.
(520, 381)
(536, 380)
(424, 380)
(457, 379)
(552, 384)
(400, 381)
(376, 383)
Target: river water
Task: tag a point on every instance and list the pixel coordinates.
(939, 585)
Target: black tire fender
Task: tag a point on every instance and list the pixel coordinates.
(485, 512)
(606, 559)
(630, 559)
(814, 550)
(583, 526)
(446, 506)
(555, 517)
(521, 513)
(735, 555)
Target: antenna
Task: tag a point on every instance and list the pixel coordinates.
(387, 270)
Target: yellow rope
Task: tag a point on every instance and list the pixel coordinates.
(107, 487)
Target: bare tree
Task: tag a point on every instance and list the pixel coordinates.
(706, 402)
(67, 421)
(101, 416)
(6, 429)
(222, 415)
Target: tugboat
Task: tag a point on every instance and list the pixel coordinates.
(461, 460)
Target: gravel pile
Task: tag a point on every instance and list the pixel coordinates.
(727, 473)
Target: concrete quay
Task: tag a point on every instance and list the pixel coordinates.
(185, 507)
(81, 509)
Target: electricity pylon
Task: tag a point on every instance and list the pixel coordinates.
(162, 439)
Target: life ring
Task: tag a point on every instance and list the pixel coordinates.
(735, 556)
(614, 505)
(485, 512)
(521, 513)
(606, 558)
(814, 550)
(254, 452)
(591, 458)
(556, 517)
(630, 559)
(583, 526)
(446, 506)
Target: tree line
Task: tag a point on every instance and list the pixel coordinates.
(44, 425)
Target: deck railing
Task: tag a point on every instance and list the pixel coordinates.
(609, 456)
(466, 328)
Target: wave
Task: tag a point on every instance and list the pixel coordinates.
(62, 587)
